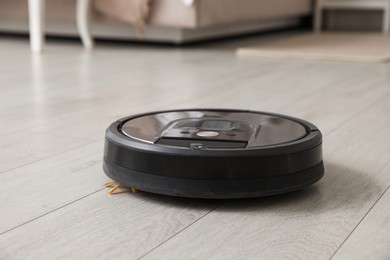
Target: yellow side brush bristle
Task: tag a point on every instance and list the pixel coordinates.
(112, 190)
(117, 186)
(107, 183)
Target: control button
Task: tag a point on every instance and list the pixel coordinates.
(207, 133)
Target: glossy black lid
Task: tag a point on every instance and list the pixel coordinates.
(184, 127)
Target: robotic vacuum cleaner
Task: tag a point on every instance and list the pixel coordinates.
(213, 153)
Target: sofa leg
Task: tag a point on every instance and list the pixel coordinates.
(318, 16)
(36, 9)
(83, 22)
(386, 18)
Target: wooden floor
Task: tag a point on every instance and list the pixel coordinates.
(54, 109)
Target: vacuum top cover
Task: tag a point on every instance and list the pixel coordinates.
(213, 129)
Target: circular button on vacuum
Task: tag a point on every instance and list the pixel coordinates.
(207, 133)
(213, 153)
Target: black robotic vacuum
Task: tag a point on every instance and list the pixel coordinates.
(213, 153)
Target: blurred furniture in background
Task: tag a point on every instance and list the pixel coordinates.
(322, 5)
(168, 20)
(36, 9)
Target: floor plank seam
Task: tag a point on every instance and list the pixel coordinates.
(54, 210)
(49, 156)
(183, 229)
(308, 95)
(357, 225)
(357, 113)
(65, 135)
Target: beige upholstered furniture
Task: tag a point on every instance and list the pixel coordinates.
(353, 4)
(169, 20)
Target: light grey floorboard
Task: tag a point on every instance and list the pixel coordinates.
(102, 226)
(370, 240)
(54, 207)
(24, 147)
(67, 83)
(290, 86)
(38, 188)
